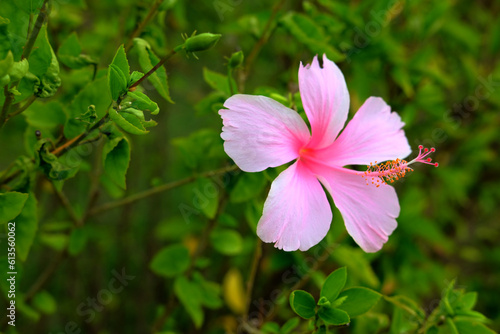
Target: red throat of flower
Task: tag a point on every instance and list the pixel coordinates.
(391, 171)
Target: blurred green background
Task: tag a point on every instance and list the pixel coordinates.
(435, 62)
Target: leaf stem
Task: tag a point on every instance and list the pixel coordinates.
(36, 30)
(20, 110)
(143, 24)
(151, 71)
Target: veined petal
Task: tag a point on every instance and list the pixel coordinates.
(374, 134)
(297, 214)
(369, 212)
(259, 132)
(325, 98)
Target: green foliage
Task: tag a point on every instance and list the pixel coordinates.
(170, 261)
(11, 205)
(302, 303)
(91, 200)
(147, 60)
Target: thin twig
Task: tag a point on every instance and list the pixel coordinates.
(143, 24)
(251, 277)
(44, 277)
(151, 71)
(264, 37)
(158, 189)
(36, 30)
(67, 205)
(23, 108)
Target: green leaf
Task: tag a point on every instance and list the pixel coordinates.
(11, 205)
(57, 241)
(44, 302)
(77, 241)
(45, 116)
(334, 283)
(333, 316)
(6, 64)
(290, 325)
(308, 32)
(95, 93)
(121, 62)
(227, 242)
(128, 122)
(142, 102)
(206, 197)
(147, 60)
(356, 261)
(189, 296)
(248, 186)
(50, 164)
(69, 53)
(470, 327)
(170, 261)
(469, 300)
(217, 81)
(303, 304)
(26, 227)
(359, 300)
(270, 327)
(117, 82)
(210, 292)
(44, 65)
(116, 159)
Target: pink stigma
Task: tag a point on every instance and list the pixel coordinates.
(390, 171)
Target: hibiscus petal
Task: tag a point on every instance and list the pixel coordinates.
(325, 98)
(369, 212)
(297, 214)
(259, 132)
(374, 134)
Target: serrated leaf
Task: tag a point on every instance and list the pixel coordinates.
(334, 283)
(11, 205)
(359, 300)
(303, 304)
(333, 316)
(117, 81)
(147, 60)
(170, 261)
(121, 62)
(142, 102)
(116, 159)
(128, 122)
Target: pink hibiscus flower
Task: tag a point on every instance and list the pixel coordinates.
(259, 132)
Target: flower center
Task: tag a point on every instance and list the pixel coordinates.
(390, 171)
